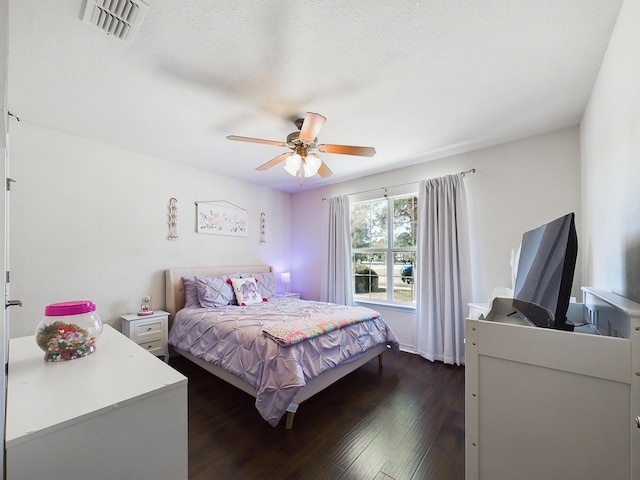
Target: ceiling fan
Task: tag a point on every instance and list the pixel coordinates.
(301, 161)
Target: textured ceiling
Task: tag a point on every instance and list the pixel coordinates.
(418, 80)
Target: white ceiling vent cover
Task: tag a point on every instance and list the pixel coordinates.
(120, 19)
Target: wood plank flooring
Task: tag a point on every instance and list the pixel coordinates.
(404, 420)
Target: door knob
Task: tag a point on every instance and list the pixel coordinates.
(13, 303)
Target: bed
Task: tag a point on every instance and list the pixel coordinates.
(202, 335)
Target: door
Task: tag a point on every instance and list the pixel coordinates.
(4, 155)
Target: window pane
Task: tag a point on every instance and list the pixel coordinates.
(405, 211)
(369, 224)
(360, 228)
(404, 276)
(369, 275)
(379, 222)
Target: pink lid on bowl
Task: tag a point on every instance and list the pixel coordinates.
(76, 307)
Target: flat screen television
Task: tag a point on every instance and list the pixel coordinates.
(544, 277)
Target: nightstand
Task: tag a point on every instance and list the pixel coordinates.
(148, 331)
(288, 295)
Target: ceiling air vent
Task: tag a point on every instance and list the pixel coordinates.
(120, 19)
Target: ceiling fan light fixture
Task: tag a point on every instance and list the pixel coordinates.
(299, 162)
(292, 164)
(312, 163)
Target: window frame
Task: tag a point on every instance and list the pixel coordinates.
(389, 251)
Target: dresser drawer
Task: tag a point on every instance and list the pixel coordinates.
(146, 331)
(154, 346)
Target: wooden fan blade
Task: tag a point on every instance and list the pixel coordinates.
(273, 162)
(256, 140)
(324, 171)
(347, 150)
(313, 123)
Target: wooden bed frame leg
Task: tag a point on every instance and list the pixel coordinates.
(380, 359)
(289, 421)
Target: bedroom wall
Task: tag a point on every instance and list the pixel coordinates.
(89, 221)
(4, 36)
(517, 186)
(610, 133)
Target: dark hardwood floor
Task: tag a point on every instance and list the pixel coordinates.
(404, 420)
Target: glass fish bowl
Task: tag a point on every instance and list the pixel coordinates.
(69, 330)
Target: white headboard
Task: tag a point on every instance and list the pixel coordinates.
(175, 296)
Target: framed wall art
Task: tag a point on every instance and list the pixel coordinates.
(221, 218)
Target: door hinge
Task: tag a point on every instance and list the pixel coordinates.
(9, 182)
(8, 276)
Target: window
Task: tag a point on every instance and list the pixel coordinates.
(383, 244)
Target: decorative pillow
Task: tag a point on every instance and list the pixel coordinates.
(246, 290)
(191, 293)
(213, 291)
(266, 283)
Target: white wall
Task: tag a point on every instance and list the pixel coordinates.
(517, 186)
(4, 48)
(89, 221)
(610, 135)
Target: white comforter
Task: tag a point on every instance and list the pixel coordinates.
(231, 337)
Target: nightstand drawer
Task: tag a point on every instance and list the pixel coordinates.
(147, 331)
(155, 346)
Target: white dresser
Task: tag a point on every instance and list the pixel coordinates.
(546, 404)
(117, 413)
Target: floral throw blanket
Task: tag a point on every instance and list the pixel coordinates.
(287, 334)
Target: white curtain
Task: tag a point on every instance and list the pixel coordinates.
(336, 275)
(443, 270)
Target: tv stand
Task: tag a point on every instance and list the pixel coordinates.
(565, 326)
(547, 403)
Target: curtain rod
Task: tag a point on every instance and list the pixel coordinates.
(473, 170)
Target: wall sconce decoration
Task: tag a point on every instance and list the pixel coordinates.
(173, 219)
(263, 221)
